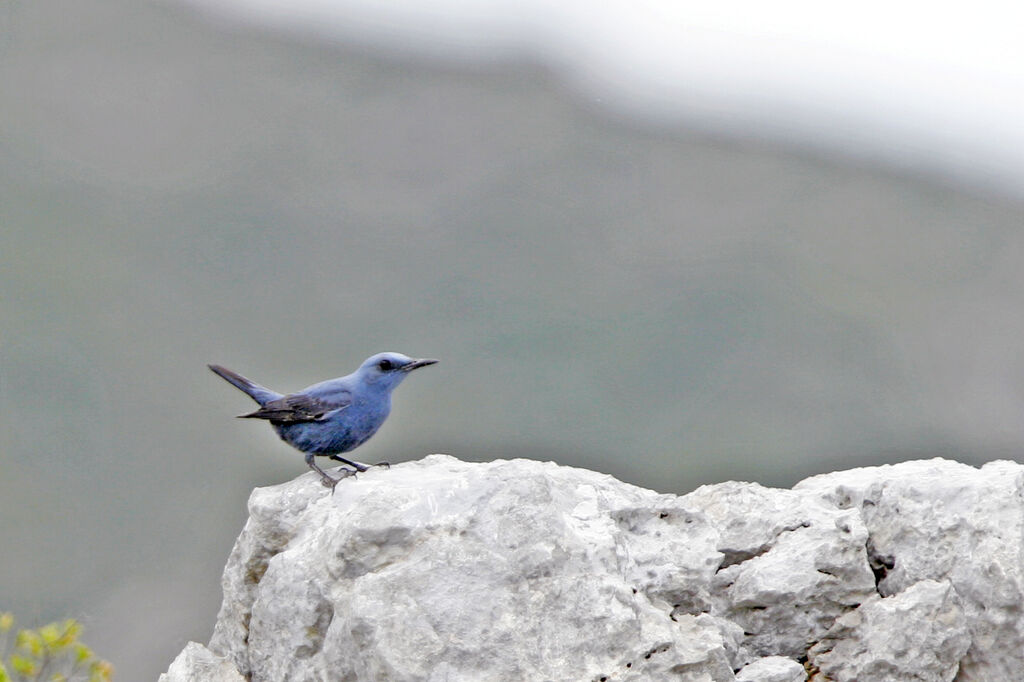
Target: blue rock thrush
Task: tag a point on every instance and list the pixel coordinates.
(334, 416)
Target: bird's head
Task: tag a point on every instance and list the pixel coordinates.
(387, 370)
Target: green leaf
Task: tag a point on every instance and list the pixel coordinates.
(71, 630)
(23, 665)
(49, 634)
(101, 671)
(82, 653)
(30, 642)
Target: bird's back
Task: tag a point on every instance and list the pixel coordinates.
(339, 390)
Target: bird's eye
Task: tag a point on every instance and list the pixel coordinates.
(385, 365)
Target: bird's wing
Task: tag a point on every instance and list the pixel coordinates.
(300, 407)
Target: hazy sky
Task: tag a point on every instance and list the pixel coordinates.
(932, 87)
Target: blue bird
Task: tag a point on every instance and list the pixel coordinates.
(334, 416)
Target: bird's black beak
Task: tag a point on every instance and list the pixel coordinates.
(416, 364)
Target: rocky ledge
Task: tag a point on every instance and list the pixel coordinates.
(520, 570)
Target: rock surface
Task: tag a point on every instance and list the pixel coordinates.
(446, 570)
(772, 669)
(919, 633)
(945, 521)
(196, 663)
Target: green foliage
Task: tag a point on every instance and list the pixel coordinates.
(51, 653)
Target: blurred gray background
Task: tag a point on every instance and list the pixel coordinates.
(674, 300)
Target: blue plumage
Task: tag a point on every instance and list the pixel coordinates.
(333, 416)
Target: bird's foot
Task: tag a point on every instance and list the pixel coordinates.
(331, 482)
(386, 465)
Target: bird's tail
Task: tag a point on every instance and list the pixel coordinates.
(252, 389)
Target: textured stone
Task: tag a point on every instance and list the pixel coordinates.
(772, 669)
(446, 570)
(443, 570)
(792, 565)
(945, 521)
(196, 663)
(918, 634)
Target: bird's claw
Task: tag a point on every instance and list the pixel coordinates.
(386, 465)
(332, 483)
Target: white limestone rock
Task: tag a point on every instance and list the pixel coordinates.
(196, 663)
(945, 521)
(792, 565)
(772, 669)
(446, 570)
(918, 634)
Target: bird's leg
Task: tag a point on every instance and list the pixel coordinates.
(325, 478)
(355, 465)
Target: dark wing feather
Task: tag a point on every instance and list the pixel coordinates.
(296, 408)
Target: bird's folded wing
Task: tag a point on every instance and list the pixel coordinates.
(298, 407)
